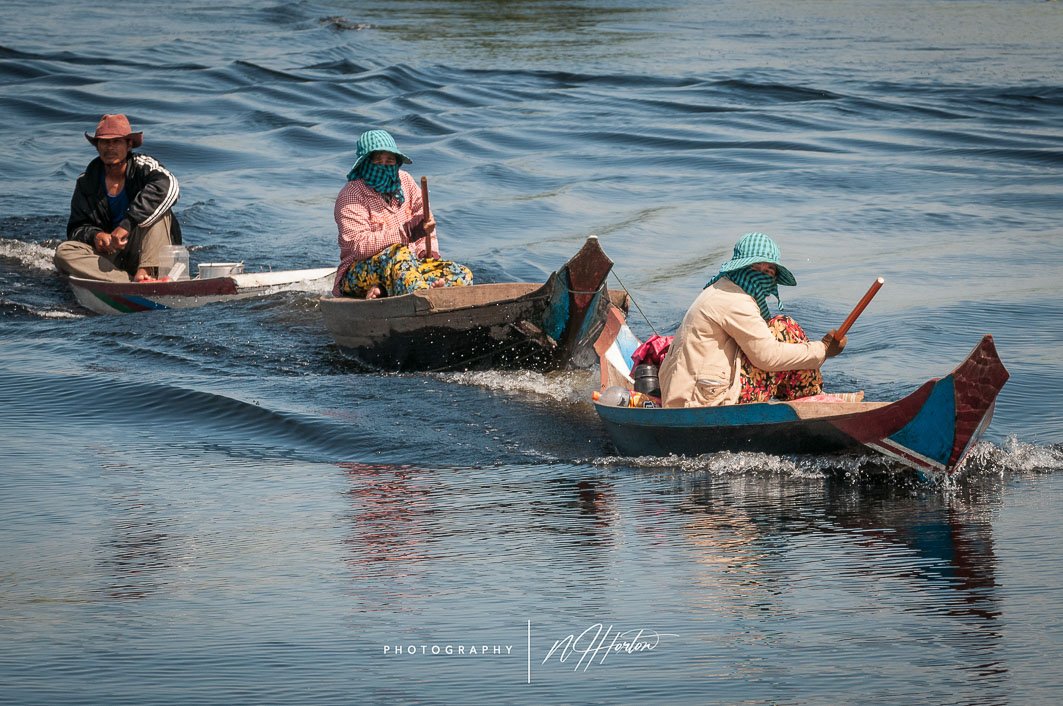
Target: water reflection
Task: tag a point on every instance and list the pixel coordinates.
(596, 502)
(737, 549)
(950, 535)
(138, 551)
(581, 521)
(773, 549)
(501, 25)
(415, 535)
(583, 510)
(388, 510)
(951, 541)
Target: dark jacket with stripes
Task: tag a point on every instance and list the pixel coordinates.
(152, 191)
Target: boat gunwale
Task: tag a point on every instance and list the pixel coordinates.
(811, 411)
(535, 291)
(243, 282)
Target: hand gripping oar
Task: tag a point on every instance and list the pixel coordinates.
(424, 204)
(858, 309)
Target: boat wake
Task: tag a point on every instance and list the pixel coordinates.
(8, 307)
(985, 460)
(727, 463)
(1014, 457)
(569, 387)
(31, 288)
(31, 255)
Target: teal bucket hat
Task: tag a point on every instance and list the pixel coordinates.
(752, 248)
(377, 141)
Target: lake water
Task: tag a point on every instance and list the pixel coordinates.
(212, 506)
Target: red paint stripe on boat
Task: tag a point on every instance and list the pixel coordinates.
(181, 288)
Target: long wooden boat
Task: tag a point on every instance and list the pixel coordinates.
(129, 297)
(526, 326)
(931, 429)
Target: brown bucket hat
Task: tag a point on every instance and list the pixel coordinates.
(112, 126)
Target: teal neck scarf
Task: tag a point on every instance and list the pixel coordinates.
(756, 284)
(381, 178)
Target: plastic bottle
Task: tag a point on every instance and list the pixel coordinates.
(620, 397)
(615, 396)
(173, 262)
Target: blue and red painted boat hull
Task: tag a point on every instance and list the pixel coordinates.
(931, 429)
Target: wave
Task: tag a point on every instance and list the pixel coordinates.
(572, 387)
(22, 309)
(168, 412)
(985, 461)
(33, 255)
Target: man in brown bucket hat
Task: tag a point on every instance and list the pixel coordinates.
(120, 214)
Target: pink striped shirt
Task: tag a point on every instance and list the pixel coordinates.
(368, 223)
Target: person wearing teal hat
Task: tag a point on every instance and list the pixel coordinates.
(731, 350)
(383, 229)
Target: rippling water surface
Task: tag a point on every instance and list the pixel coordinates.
(211, 506)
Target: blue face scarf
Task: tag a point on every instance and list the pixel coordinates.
(756, 284)
(381, 178)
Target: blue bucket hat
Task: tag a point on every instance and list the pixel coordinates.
(752, 248)
(377, 141)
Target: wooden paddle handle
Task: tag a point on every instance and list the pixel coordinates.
(425, 211)
(858, 309)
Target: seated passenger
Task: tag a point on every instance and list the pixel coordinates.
(382, 228)
(730, 350)
(120, 218)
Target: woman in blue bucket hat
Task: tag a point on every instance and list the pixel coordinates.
(382, 228)
(731, 350)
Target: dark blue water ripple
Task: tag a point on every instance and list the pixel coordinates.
(160, 413)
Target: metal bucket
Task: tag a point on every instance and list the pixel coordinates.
(210, 270)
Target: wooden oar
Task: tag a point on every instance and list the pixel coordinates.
(424, 203)
(858, 309)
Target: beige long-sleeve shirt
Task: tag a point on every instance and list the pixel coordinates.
(703, 368)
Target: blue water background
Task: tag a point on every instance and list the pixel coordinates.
(211, 506)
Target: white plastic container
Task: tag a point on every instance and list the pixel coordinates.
(173, 263)
(210, 270)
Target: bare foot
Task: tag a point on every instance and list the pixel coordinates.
(143, 275)
(373, 293)
(439, 283)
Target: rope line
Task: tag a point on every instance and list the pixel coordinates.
(632, 297)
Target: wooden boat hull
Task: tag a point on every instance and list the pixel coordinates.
(130, 297)
(487, 326)
(931, 429)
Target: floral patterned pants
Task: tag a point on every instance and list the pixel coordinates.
(761, 386)
(396, 270)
